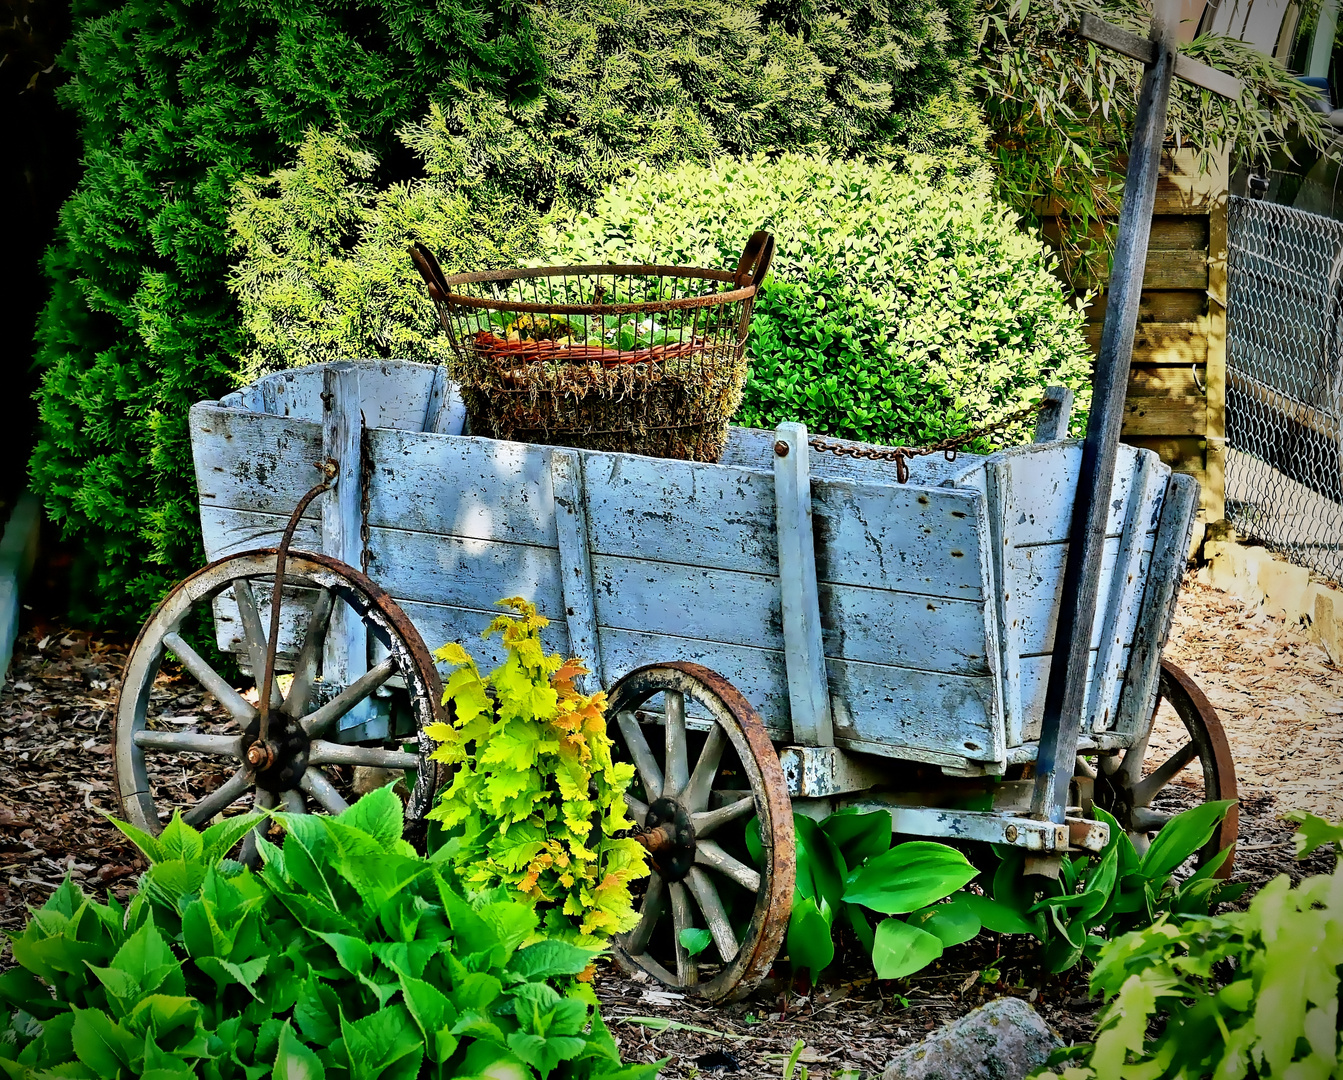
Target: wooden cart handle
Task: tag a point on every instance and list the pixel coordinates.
(755, 259)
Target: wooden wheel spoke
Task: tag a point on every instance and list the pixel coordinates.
(317, 721)
(655, 902)
(639, 750)
(677, 755)
(316, 784)
(1146, 789)
(700, 784)
(708, 853)
(706, 896)
(264, 800)
(232, 701)
(191, 742)
(305, 669)
(255, 636)
(220, 799)
(293, 802)
(638, 810)
(1144, 820)
(687, 969)
(710, 820)
(321, 752)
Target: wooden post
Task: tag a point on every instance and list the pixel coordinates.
(1065, 697)
(345, 655)
(804, 652)
(1066, 694)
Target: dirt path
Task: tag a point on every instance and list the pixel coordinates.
(1280, 701)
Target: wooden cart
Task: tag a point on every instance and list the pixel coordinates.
(787, 629)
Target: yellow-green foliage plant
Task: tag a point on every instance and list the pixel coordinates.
(536, 803)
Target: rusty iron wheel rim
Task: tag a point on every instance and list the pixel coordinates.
(1122, 786)
(408, 656)
(739, 726)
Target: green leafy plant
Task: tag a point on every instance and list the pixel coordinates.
(348, 956)
(899, 310)
(1117, 889)
(846, 866)
(536, 804)
(1251, 993)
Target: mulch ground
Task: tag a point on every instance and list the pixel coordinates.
(1280, 699)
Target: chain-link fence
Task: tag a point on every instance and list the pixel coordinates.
(1284, 397)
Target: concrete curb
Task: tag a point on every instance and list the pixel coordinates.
(1257, 576)
(18, 552)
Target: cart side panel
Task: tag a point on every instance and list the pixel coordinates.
(684, 563)
(1030, 490)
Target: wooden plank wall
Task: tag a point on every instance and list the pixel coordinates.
(1177, 387)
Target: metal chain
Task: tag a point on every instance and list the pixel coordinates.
(901, 454)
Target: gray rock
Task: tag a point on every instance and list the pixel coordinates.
(1003, 1040)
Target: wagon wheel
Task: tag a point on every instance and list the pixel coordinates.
(1143, 796)
(303, 722)
(697, 787)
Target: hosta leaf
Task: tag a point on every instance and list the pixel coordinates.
(909, 876)
(1181, 837)
(103, 1045)
(859, 835)
(953, 923)
(900, 949)
(810, 946)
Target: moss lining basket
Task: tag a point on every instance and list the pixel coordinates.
(636, 359)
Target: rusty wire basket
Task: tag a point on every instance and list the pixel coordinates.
(636, 359)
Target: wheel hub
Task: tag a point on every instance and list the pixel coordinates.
(669, 836)
(282, 759)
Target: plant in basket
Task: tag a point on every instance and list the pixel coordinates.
(637, 359)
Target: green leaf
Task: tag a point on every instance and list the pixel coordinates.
(219, 839)
(810, 947)
(909, 876)
(998, 917)
(547, 959)
(859, 835)
(1313, 833)
(294, 1061)
(380, 815)
(544, 1054)
(1181, 837)
(384, 1045)
(820, 868)
(694, 939)
(899, 950)
(180, 841)
(101, 1044)
(953, 922)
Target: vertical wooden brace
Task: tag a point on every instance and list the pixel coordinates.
(998, 491)
(1158, 604)
(1052, 423)
(345, 655)
(804, 653)
(571, 523)
(1123, 593)
(445, 413)
(1214, 489)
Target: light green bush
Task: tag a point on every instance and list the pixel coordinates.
(901, 310)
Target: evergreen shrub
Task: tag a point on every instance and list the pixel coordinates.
(900, 309)
(175, 102)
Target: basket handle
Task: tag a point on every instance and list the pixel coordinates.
(430, 270)
(755, 259)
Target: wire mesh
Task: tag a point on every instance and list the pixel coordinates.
(1284, 403)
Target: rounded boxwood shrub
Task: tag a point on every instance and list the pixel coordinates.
(900, 309)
